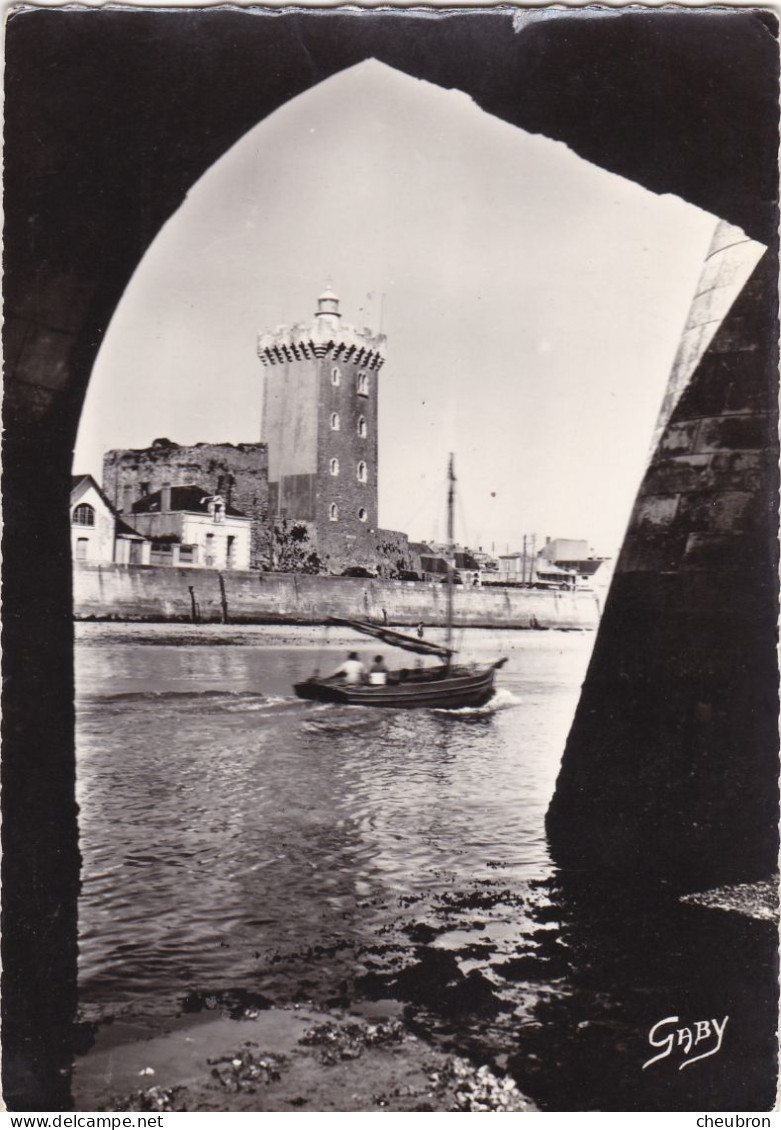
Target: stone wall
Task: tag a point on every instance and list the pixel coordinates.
(239, 472)
(159, 593)
(671, 766)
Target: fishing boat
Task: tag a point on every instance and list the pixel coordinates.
(446, 685)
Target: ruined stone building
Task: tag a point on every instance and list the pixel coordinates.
(236, 473)
(320, 426)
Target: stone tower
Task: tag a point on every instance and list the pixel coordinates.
(320, 424)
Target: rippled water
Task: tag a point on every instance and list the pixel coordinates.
(239, 841)
(226, 823)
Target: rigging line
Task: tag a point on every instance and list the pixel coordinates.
(323, 644)
(410, 518)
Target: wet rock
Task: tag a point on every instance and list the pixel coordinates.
(246, 1069)
(335, 1042)
(423, 933)
(237, 1003)
(155, 1098)
(437, 983)
(479, 1089)
(533, 967)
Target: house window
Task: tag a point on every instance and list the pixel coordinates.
(230, 552)
(336, 377)
(161, 547)
(209, 550)
(81, 549)
(84, 515)
(333, 466)
(362, 514)
(363, 383)
(188, 554)
(334, 421)
(333, 512)
(362, 472)
(362, 430)
(144, 489)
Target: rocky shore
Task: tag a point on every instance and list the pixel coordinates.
(291, 1059)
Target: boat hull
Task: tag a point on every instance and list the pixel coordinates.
(453, 690)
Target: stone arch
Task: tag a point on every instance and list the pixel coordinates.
(64, 277)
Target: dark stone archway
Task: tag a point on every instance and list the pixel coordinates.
(110, 117)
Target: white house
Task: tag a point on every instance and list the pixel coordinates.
(93, 522)
(98, 535)
(188, 526)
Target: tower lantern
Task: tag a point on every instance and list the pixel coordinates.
(328, 304)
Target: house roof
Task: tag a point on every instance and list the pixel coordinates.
(193, 499)
(80, 484)
(122, 528)
(433, 564)
(466, 561)
(419, 547)
(588, 567)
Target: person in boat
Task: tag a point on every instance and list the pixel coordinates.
(420, 631)
(378, 672)
(352, 670)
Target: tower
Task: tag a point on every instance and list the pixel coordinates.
(320, 424)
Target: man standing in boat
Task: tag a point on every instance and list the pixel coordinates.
(352, 669)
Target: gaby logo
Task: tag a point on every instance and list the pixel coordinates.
(684, 1040)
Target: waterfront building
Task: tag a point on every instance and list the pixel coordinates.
(573, 556)
(98, 535)
(238, 473)
(187, 526)
(320, 416)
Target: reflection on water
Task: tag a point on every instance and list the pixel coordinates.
(235, 838)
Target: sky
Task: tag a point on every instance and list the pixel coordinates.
(532, 302)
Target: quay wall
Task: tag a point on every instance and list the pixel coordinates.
(160, 593)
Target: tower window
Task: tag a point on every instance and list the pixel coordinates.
(362, 472)
(84, 515)
(362, 429)
(333, 512)
(336, 376)
(334, 421)
(363, 383)
(333, 466)
(363, 514)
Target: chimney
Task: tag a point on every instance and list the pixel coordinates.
(165, 498)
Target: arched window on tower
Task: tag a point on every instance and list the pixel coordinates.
(334, 421)
(336, 376)
(362, 429)
(84, 515)
(333, 512)
(333, 466)
(363, 472)
(363, 383)
(363, 514)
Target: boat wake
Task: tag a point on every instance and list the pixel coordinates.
(157, 696)
(502, 700)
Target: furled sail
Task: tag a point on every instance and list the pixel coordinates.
(394, 638)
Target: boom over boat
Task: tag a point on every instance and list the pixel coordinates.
(447, 684)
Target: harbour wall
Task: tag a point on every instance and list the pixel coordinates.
(160, 593)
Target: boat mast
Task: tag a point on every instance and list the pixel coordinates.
(451, 493)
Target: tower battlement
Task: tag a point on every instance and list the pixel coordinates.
(303, 342)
